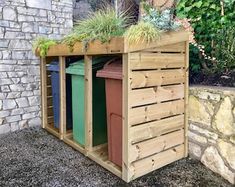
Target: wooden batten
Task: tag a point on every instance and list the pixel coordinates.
(114, 46)
(63, 124)
(88, 103)
(167, 38)
(43, 76)
(186, 96)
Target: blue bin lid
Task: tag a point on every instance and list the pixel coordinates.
(53, 66)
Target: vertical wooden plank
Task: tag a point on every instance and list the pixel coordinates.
(186, 96)
(62, 97)
(125, 122)
(88, 104)
(43, 76)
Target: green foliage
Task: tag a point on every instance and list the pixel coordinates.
(226, 51)
(101, 25)
(208, 22)
(163, 20)
(43, 44)
(143, 32)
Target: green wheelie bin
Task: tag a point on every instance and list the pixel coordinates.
(78, 102)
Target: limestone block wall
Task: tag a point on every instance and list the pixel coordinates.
(212, 129)
(20, 22)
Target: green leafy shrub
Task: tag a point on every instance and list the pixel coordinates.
(210, 19)
(43, 44)
(143, 32)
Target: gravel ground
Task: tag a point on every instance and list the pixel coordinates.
(32, 157)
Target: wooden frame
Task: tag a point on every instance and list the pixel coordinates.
(155, 102)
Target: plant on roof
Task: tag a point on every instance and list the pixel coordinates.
(143, 32)
(43, 44)
(101, 25)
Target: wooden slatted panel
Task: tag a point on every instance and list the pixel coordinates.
(178, 47)
(156, 145)
(142, 79)
(156, 128)
(156, 94)
(156, 111)
(156, 61)
(144, 166)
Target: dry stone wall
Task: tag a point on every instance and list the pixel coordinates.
(212, 129)
(20, 22)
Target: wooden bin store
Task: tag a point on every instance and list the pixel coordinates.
(154, 100)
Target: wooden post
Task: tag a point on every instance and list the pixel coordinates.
(88, 104)
(125, 116)
(62, 97)
(43, 76)
(186, 96)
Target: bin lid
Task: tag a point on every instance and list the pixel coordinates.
(112, 70)
(77, 68)
(53, 66)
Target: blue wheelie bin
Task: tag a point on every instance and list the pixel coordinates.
(55, 83)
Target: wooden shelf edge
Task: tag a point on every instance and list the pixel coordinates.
(68, 140)
(104, 162)
(52, 131)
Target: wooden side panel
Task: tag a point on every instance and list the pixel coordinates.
(156, 60)
(157, 108)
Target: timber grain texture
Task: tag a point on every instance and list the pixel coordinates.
(155, 102)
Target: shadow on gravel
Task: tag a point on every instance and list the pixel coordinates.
(32, 157)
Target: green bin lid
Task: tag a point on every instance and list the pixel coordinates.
(77, 68)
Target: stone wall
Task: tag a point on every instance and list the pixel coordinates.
(20, 22)
(212, 129)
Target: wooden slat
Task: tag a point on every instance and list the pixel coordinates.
(88, 103)
(142, 79)
(156, 128)
(114, 46)
(156, 145)
(156, 94)
(50, 119)
(156, 60)
(159, 160)
(186, 97)
(168, 38)
(43, 76)
(49, 100)
(125, 116)
(178, 47)
(156, 111)
(62, 97)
